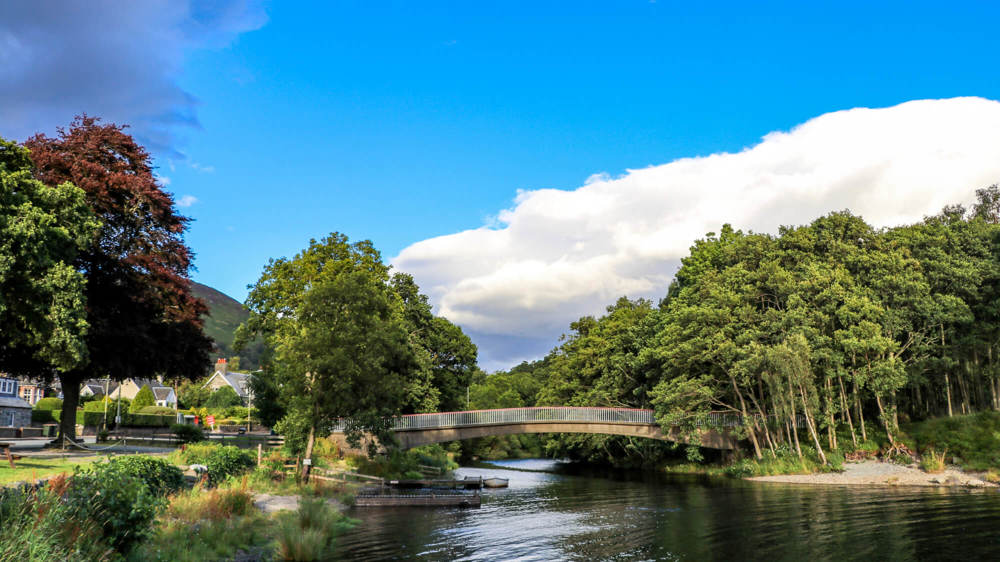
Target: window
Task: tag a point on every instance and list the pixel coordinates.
(6, 386)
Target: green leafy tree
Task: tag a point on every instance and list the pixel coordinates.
(43, 228)
(224, 397)
(342, 348)
(193, 394)
(142, 399)
(449, 355)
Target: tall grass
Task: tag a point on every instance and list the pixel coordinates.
(310, 532)
(933, 462)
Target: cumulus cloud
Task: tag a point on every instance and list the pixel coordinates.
(115, 60)
(556, 255)
(187, 201)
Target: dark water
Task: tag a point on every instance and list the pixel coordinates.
(564, 513)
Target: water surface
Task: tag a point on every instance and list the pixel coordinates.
(558, 511)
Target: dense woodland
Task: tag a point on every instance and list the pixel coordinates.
(833, 326)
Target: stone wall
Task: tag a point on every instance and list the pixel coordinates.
(22, 416)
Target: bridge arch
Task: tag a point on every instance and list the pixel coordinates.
(424, 429)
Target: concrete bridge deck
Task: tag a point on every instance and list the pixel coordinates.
(423, 429)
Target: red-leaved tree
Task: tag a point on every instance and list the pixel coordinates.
(143, 319)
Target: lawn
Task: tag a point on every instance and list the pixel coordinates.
(33, 468)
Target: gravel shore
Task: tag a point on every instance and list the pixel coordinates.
(884, 473)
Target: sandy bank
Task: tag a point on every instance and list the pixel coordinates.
(883, 473)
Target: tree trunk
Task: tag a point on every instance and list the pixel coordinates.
(831, 429)
(795, 425)
(71, 398)
(847, 411)
(811, 425)
(861, 414)
(307, 462)
(763, 417)
(885, 421)
(753, 428)
(947, 387)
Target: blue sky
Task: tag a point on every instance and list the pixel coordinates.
(402, 122)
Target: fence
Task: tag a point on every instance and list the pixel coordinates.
(543, 414)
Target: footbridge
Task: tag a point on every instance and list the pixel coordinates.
(424, 429)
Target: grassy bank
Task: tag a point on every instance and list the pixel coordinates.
(30, 469)
(140, 508)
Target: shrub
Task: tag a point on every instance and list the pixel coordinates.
(45, 416)
(188, 433)
(157, 410)
(932, 462)
(236, 412)
(195, 453)
(214, 505)
(49, 404)
(142, 399)
(38, 525)
(309, 533)
(160, 476)
(98, 406)
(224, 397)
(121, 504)
(223, 462)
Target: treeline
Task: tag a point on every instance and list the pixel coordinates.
(831, 326)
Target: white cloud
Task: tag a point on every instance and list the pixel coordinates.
(164, 180)
(202, 168)
(556, 255)
(187, 201)
(116, 60)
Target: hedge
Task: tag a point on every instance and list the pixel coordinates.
(49, 403)
(97, 418)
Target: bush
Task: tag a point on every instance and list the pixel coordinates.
(187, 433)
(195, 453)
(44, 416)
(236, 412)
(157, 410)
(49, 404)
(932, 462)
(308, 533)
(160, 476)
(223, 398)
(224, 462)
(120, 503)
(38, 525)
(98, 406)
(142, 399)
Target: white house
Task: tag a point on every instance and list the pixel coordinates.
(240, 382)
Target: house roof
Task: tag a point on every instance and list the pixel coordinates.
(162, 392)
(152, 383)
(6, 402)
(240, 382)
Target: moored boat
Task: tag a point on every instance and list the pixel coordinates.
(495, 482)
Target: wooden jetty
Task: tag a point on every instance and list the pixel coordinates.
(469, 483)
(419, 500)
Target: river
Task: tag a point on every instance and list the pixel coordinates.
(558, 511)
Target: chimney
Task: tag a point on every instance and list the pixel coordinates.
(221, 365)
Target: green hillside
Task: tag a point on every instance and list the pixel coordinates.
(225, 315)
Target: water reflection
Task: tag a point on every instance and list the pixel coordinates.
(555, 511)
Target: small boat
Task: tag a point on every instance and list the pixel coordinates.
(495, 482)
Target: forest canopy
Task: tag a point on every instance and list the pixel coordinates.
(831, 325)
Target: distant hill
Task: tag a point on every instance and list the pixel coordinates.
(225, 315)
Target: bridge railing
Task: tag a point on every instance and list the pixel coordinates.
(507, 416)
(522, 415)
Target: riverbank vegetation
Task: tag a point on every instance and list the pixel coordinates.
(140, 508)
(825, 341)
